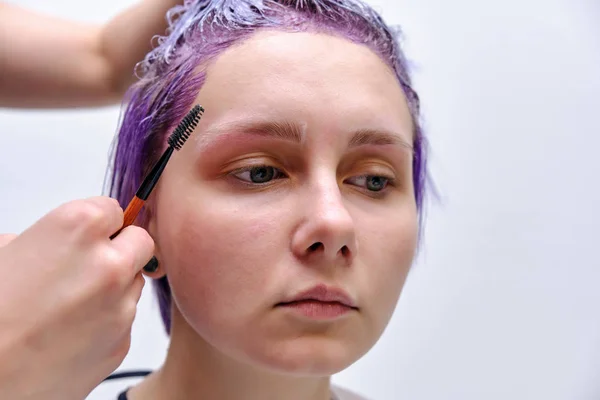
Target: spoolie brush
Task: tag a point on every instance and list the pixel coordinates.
(175, 142)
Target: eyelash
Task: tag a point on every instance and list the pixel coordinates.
(389, 181)
(278, 174)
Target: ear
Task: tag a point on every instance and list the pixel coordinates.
(153, 269)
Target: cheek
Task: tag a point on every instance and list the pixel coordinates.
(388, 254)
(218, 255)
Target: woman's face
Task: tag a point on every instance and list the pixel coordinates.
(287, 224)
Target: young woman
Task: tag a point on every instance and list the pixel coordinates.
(286, 226)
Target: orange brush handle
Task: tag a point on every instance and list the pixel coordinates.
(130, 213)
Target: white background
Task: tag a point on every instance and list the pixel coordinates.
(503, 302)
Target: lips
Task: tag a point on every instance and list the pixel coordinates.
(324, 294)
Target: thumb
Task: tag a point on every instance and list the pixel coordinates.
(6, 238)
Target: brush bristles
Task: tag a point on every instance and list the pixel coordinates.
(185, 127)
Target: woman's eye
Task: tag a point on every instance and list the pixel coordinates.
(259, 174)
(373, 183)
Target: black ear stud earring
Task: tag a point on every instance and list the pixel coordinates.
(152, 265)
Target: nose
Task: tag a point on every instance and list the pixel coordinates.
(327, 230)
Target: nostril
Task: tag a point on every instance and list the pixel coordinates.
(345, 251)
(315, 246)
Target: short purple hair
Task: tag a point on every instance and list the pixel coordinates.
(172, 74)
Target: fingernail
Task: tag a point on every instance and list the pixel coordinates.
(152, 265)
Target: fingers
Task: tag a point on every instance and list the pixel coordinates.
(112, 214)
(136, 245)
(137, 287)
(96, 217)
(6, 239)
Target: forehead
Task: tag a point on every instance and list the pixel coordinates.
(318, 79)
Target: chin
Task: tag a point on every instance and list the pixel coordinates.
(310, 357)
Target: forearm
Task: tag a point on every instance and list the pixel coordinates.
(127, 38)
(48, 62)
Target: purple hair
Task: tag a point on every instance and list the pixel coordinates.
(172, 74)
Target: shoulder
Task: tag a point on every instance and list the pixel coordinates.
(345, 394)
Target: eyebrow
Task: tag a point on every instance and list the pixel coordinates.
(377, 137)
(293, 132)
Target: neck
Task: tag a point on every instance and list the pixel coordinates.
(194, 369)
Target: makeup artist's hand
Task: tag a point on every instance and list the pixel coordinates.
(68, 300)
